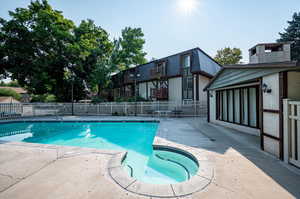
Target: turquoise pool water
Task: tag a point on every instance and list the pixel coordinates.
(142, 162)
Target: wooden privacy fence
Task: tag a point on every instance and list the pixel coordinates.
(112, 108)
(292, 132)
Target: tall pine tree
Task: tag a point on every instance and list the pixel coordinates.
(292, 34)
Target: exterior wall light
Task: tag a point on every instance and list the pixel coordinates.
(266, 89)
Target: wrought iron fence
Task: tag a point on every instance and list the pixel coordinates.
(193, 108)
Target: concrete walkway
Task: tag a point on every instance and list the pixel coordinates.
(242, 170)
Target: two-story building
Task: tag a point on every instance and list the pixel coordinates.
(179, 77)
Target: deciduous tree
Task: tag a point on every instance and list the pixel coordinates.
(131, 48)
(228, 56)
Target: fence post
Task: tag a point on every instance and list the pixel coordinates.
(111, 108)
(195, 108)
(141, 104)
(33, 110)
(286, 130)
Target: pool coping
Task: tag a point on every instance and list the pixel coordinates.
(78, 121)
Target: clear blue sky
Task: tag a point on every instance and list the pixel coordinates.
(169, 28)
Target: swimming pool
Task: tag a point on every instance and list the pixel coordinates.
(143, 162)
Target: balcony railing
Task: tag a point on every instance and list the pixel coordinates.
(158, 72)
(159, 93)
(128, 79)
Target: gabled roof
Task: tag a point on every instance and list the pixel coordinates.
(234, 74)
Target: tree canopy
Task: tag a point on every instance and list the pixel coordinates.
(292, 34)
(131, 47)
(47, 53)
(227, 56)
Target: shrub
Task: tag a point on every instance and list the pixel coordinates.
(131, 99)
(43, 98)
(10, 93)
(50, 98)
(97, 99)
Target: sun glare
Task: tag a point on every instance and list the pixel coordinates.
(187, 6)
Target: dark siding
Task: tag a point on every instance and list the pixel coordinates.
(195, 62)
(174, 65)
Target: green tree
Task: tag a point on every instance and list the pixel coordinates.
(100, 77)
(90, 51)
(228, 56)
(47, 54)
(292, 34)
(35, 46)
(131, 48)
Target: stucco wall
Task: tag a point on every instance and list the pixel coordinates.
(271, 120)
(150, 86)
(175, 89)
(271, 146)
(294, 85)
(212, 106)
(271, 124)
(143, 90)
(268, 57)
(271, 100)
(203, 81)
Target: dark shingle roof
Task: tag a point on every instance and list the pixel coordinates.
(201, 63)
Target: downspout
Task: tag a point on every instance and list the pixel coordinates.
(208, 106)
(282, 95)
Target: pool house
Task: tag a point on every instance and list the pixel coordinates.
(261, 98)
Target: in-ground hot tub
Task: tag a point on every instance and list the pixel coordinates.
(166, 165)
(169, 172)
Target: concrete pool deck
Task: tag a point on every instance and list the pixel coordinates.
(241, 169)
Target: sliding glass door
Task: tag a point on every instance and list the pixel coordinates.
(238, 105)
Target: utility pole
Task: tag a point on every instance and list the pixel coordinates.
(135, 76)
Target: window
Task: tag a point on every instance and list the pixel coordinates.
(239, 105)
(253, 51)
(187, 87)
(273, 48)
(186, 61)
(153, 92)
(187, 78)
